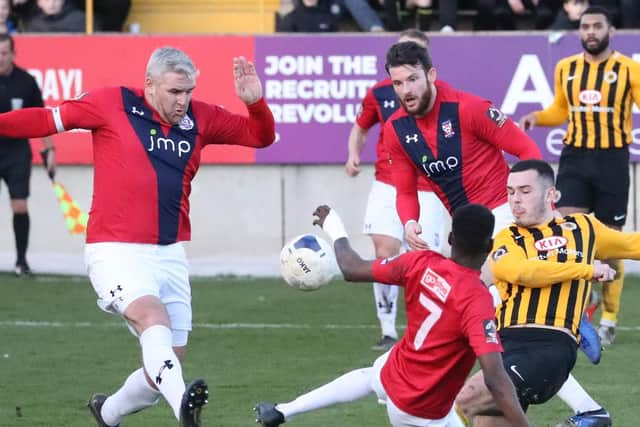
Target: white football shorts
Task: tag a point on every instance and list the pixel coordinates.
(399, 418)
(120, 273)
(381, 216)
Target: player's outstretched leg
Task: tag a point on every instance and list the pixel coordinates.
(194, 398)
(95, 406)
(598, 418)
(267, 415)
(590, 341)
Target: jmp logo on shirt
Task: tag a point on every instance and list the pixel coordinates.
(160, 143)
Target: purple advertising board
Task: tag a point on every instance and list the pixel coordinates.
(314, 84)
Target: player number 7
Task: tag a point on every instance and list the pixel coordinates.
(434, 315)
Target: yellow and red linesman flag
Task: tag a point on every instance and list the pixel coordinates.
(75, 218)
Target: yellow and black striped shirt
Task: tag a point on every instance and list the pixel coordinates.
(544, 273)
(596, 99)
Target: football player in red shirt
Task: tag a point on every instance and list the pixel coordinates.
(450, 323)
(381, 220)
(146, 149)
(453, 138)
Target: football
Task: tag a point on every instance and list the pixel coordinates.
(307, 262)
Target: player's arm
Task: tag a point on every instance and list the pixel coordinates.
(509, 263)
(257, 130)
(501, 388)
(367, 117)
(634, 80)
(224, 127)
(477, 319)
(493, 126)
(27, 123)
(357, 140)
(352, 266)
(558, 112)
(613, 244)
(82, 112)
(403, 174)
(48, 152)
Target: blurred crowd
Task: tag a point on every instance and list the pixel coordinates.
(61, 16)
(311, 16)
(446, 15)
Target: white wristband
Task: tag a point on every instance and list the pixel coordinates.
(409, 222)
(334, 227)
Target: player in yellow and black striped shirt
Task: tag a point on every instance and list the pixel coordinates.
(543, 265)
(594, 92)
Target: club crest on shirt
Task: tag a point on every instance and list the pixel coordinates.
(568, 225)
(436, 284)
(496, 116)
(499, 253)
(611, 77)
(186, 123)
(490, 333)
(447, 128)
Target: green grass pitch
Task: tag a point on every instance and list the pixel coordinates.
(252, 340)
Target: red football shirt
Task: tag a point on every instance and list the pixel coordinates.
(458, 146)
(450, 321)
(378, 105)
(143, 167)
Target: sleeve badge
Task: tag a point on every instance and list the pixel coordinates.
(496, 116)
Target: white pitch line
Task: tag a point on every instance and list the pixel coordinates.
(55, 324)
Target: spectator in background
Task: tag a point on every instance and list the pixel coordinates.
(447, 13)
(56, 16)
(7, 26)
(568, 18)
(110, 15)
(631, 16)
(310, 16)
(501, 14)
(366, 18)
(613, 8)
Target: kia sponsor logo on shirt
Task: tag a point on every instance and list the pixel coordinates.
(550, 243)
(590, 97)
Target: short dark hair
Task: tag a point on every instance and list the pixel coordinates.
(598, 10)
(6, 37)
(543, 168)
(472, 228)
(414, 33)
(408, 53)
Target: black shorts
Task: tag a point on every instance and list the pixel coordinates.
(597, 180)
(538, 361)
(15, 170)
